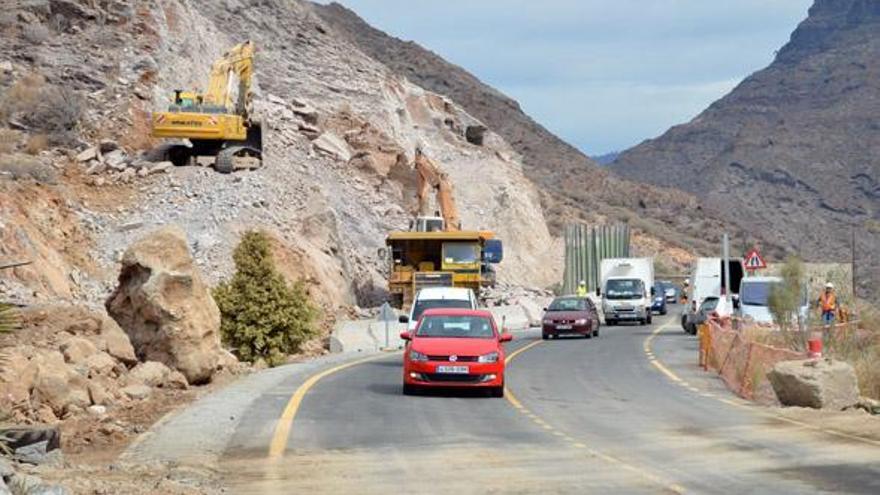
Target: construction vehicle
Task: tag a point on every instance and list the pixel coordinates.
(219, 122)
(435, 252)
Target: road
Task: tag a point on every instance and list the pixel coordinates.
(580, 416)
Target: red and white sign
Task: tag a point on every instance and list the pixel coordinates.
(754, 261)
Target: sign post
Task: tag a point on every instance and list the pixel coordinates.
(387, 315)
(754, 261)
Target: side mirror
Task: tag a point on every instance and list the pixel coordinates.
(545, 309)
(653, 291)
(403, 319)
(405, 336)
(382, 253)
(598, 292)
(505, 337)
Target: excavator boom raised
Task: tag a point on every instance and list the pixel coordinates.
(431, 177)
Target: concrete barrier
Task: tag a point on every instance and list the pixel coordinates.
(369, 335)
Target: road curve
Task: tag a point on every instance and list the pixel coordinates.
(581, 416)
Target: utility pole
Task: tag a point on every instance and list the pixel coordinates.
(726, 266)
(853, 264)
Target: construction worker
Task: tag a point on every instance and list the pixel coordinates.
(582, 289)
(684, 291)
(828, 304)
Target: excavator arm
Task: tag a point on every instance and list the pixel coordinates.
(431, 177)
(236, 65)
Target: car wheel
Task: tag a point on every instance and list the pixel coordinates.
(545, 336)
(649, 319)
(663, 311)
(596, 333)
(497, 391)
(409, 389)
(588, 335)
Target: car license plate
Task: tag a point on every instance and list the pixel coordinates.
(563, 327)
(462, 370)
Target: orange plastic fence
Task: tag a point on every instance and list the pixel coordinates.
(742, 364)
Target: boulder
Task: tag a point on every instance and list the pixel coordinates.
(116, 342)
(77, 349)
(101, 363)
(137, 392)
(165, 307)
(17, 376)
(820, 384)
(57, 384)
(90, 153)
(156, 374)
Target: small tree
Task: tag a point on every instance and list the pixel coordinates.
(262, 316)
(785, 298)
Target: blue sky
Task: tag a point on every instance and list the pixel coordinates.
(602, 74)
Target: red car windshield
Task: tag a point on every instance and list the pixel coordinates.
(473, 327)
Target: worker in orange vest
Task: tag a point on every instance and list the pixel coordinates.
(828, 304)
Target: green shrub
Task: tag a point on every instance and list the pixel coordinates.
(262, 316)
(785, 298)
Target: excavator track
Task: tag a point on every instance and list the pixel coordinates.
(225, 162)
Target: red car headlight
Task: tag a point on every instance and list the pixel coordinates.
(417, 356)
(492, 357)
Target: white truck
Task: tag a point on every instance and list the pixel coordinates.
(754, 297)
(708, 282)
(626, 285)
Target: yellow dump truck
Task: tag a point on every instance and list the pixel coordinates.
(440, 259)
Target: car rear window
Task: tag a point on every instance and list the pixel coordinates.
(424, 304)
(478, 327)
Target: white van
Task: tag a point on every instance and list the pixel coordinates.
(626, 287)
(754, 295)
(438, 297)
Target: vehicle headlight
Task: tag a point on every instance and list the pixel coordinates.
(658, 299)
(492, 357)
(548, 321)
(582, 321)
(417, 356)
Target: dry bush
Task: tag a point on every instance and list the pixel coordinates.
(36, 143)
(24, 94)
(19, 166)
(36, 34)
(9, 140)
(57, 114)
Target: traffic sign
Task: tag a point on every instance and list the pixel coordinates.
(387, 313)
(754, 261)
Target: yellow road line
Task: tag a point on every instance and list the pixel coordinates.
(511, 398)
(742, 405)
(285, 423)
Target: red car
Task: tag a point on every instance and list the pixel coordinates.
(570, 315)
(454, 348)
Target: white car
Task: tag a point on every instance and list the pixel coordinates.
(438, 297)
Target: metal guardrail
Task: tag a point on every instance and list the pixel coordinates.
(586, 246)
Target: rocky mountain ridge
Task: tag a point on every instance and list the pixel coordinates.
(791, 154)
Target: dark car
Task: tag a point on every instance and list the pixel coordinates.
(570, 315)
(666, 289)
(658, 299)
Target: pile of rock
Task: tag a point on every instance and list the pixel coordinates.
(108, 158)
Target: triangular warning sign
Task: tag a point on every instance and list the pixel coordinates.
(754, 261)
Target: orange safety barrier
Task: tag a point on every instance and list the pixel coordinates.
(741, 363)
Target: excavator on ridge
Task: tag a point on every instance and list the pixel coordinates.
(219, 122)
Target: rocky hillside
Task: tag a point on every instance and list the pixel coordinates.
(573, 187)
(339, 133)
(793, 152)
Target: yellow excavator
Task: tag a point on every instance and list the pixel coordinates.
(219, 122)
(435, 252)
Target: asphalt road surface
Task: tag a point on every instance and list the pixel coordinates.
(581, 416)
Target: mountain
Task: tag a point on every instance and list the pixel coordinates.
(573, 186)
(792, 153)
(606, 158)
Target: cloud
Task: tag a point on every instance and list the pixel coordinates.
(603, 74)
